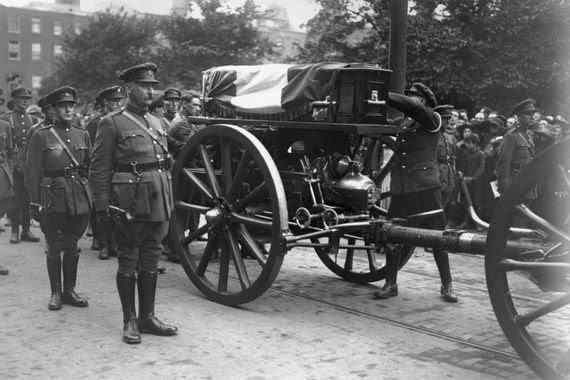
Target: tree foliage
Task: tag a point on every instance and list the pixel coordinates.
(182, 47)
(471, 52)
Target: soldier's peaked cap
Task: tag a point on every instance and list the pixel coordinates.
(144, 72)
(526, 106)
(423, 91)
(111, 93)
(21, 92)
(172, 93)
(62, 94)
(42, 103)
(444, 110)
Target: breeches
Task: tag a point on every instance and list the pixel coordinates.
(64, 230)
(140, 245)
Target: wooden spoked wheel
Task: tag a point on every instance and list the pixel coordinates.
(346, 255)
(230, 214)
(530, 290)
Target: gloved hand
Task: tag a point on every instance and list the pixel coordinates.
(37, 212)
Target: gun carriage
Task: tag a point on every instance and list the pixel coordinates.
(298, 156)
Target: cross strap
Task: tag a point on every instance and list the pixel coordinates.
(153, 135)
(65, 147)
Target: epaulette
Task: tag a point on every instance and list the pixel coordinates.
(115, 112)
(47, 126)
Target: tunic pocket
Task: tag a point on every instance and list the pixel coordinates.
(52, 192)
(131, 196)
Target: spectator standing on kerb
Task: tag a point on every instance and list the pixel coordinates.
(130, 170)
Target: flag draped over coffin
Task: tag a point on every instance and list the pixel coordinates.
(276, 91)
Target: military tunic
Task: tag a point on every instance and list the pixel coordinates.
(57, 184)
(515, 152)
(6, 184)
(446, 158)
(130, 169)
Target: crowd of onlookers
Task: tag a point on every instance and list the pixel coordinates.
(478, 141)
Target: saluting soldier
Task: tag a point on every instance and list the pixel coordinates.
(111, 98)
(414, 179)
(130, 170)
(56, 180)
(20, 123)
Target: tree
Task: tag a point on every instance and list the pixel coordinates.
(215, 35)
(471, 52)
(112, 41)
(181, 47)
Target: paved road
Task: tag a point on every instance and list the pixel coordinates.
(309, 325)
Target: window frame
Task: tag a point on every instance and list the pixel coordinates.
(36, 56)
(11, 44)
(11, 18)
(36, 22)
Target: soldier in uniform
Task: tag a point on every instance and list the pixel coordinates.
(111, 98)
(56, 180)
(6, 185)
(172, 98)
(517, 147)
(130, 170)
(446, 156)
(20, 122)
(181, 129)
(415, 184)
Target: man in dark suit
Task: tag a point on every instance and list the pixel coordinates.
(57, 163)
(415, 184)
(130, 170)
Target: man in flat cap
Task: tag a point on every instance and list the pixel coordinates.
(517, 148)
(414, 183)
(111, 99)
(20, 123)
(56, 180)
(172, 98)
(446, 160)
(130, 170)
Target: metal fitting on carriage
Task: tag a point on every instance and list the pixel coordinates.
(304, 218)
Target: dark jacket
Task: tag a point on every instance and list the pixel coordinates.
(20, 122)
(51, 177)
(119, 142)
(515, 152)
(415, 164)
(6, 182)
(446, 158)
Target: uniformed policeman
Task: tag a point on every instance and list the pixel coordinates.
(446, 156)
(517, 147)
(20, 122)
(56, 180)
(130, 170)
(414, 183)
(111, 98)
(172, 98)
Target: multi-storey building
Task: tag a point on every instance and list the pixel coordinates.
(30, 41)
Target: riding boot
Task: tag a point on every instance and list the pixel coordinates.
(442, 261)
(27, 235)
(69, 278)
(390, 288)
(54, 273)
(15, 236)
(126, 289)
(148, 323)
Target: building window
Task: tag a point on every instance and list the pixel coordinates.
(57, 50)
(36, 26)
(36, 84)
(14, 50)
(36, 51)
(57, 28)
(14, 24)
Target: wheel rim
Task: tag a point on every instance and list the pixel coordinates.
(227, 178)
(532, 320)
